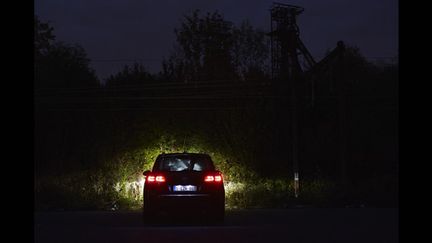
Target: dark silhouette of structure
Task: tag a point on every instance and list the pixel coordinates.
(286, 68)
(286, 45)
(290, 60)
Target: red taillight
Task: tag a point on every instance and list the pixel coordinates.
(213, 178)
(159, 178)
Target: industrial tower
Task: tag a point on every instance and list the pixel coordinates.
(289, 56)
(289, 59)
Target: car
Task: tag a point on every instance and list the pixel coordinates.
(184, 183)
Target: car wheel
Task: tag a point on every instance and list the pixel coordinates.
(148, 214)
(218, 216)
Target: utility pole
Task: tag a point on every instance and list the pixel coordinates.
(342, 110)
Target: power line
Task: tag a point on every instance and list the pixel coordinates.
(167, 85)
(161, 59)
(127, 60)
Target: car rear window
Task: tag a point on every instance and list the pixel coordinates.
(183, 163)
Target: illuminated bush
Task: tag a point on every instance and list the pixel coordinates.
(118, 183)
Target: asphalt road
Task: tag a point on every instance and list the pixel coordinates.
(287, 225)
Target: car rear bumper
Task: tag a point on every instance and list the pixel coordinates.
(185, 202)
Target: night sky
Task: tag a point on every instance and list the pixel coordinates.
(117, 32)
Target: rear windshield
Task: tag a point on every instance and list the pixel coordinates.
(183, 163)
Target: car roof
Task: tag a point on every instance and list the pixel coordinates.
(176, 154)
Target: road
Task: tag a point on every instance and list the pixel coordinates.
(259, 225)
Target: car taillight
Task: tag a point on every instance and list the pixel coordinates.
(158, 178)
(151, 178)
(213, 178)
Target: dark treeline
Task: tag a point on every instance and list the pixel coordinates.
(215, 89)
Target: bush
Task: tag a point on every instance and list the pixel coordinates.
(276, 193)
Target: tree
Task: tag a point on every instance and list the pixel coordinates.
(202, 51)
(43, 37)
(60, 65)
(130, 75)
(209, 48)
(250, 52)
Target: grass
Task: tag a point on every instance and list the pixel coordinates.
(79, 191)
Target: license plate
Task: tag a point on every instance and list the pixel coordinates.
(182, 188)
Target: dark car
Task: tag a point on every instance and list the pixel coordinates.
(184, 183)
